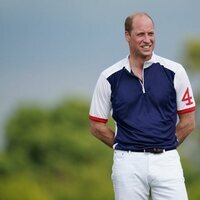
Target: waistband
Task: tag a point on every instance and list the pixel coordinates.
(149, 150)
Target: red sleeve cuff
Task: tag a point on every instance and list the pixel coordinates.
(186, 110)
(97, 119)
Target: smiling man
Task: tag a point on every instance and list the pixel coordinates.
(144, 92)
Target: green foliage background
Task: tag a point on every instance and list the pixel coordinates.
(51, 155)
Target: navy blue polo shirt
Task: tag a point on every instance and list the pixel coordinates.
(145, 112)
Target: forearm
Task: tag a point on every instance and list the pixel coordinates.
(183, 130)
(185, 126)
(103, 133)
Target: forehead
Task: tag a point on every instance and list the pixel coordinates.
(142, 23)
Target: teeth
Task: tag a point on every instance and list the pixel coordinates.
(146, 47)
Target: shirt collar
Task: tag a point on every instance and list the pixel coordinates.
(147, 63)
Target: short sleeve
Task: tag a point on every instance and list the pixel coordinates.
(184, 93)
(101, 105)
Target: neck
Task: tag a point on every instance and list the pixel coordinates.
(136, 67)
(138, 61)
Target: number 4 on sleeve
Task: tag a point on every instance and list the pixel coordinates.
(187, 98)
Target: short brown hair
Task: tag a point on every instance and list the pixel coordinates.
(130, 18)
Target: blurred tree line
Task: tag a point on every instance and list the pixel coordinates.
(50, 154)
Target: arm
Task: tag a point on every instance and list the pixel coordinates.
(185, 125)
(102, 132)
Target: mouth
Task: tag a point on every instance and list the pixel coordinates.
(146, 47)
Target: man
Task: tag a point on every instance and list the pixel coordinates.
(144, 92)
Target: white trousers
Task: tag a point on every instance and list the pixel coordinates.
(137, 175)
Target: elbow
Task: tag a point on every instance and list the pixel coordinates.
(97, 128)
(193, 125)
(93, 128)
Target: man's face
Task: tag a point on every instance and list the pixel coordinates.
(141, 39)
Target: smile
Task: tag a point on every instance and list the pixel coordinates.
(146, 47)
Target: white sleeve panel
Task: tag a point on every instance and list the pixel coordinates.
(101, 105)
(185, 98)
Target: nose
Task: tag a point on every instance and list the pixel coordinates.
(146, 38)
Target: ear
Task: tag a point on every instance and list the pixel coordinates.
(127, 36)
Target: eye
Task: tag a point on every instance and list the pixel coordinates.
(151, 34)
(140, 34)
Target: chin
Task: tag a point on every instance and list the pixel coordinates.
(147, 54)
